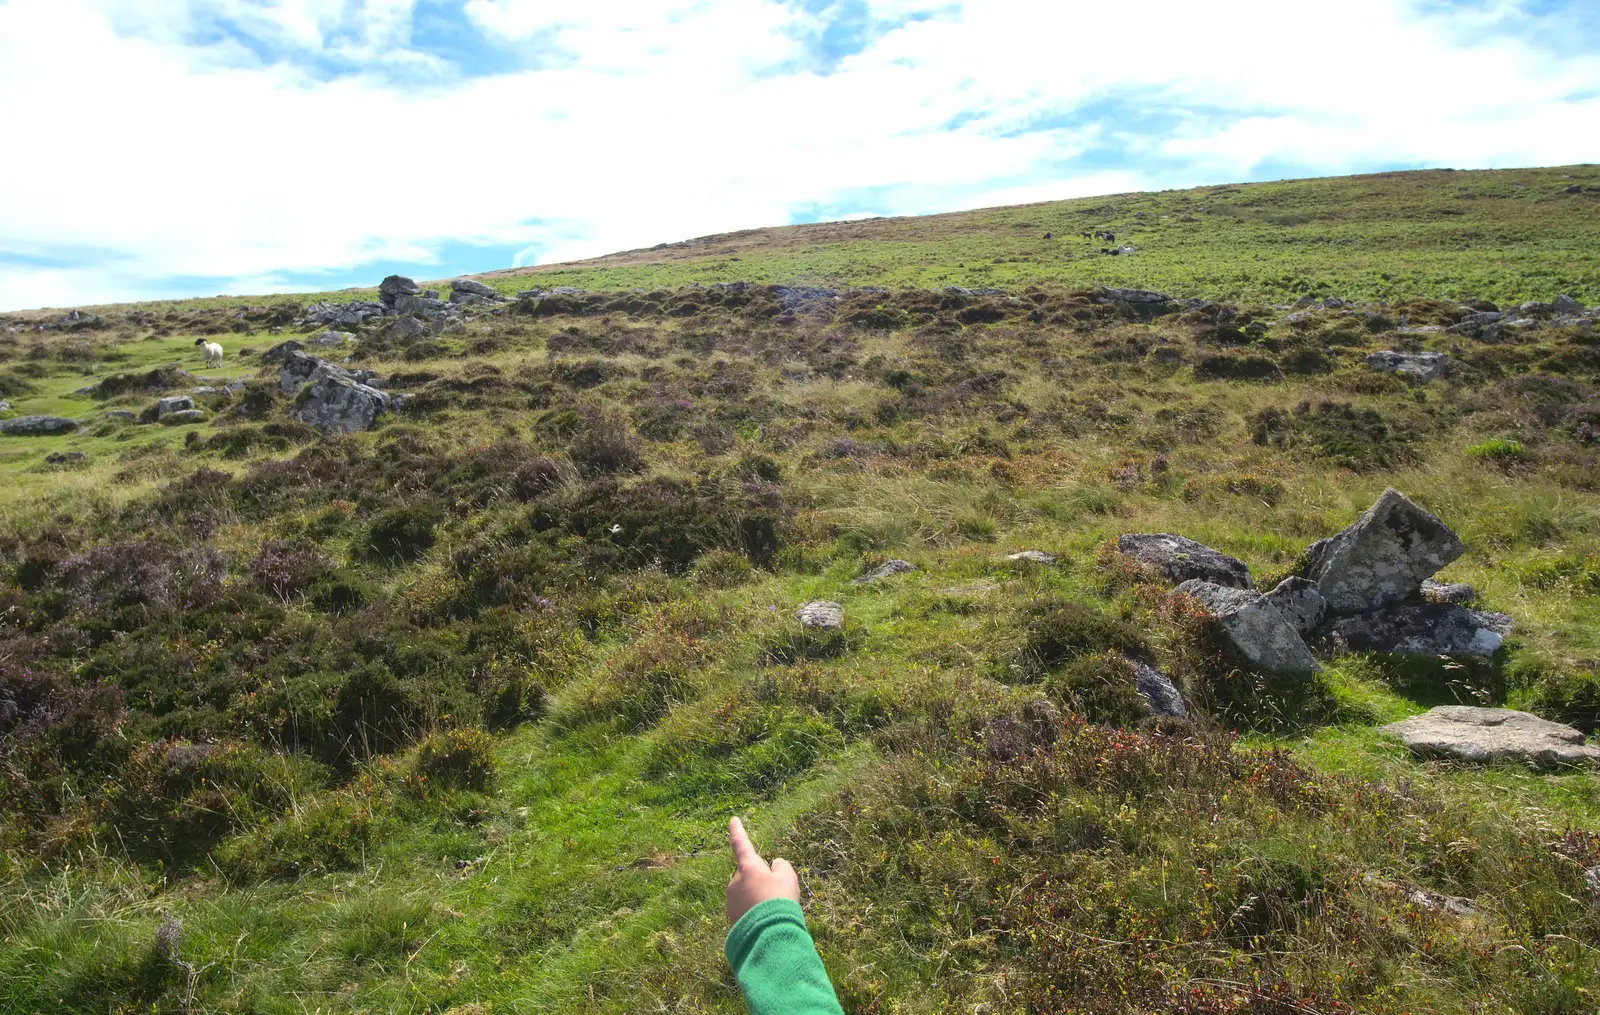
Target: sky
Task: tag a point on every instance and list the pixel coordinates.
(171, 148)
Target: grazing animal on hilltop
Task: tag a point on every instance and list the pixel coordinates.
(213, 352)
(1049, 236)
(1109, 237)
(1087, 235)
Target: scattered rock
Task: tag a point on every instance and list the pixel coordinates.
(1469, 733)
(332, 338)
(184, 416)
(404, 329)
(64, 457)
(1158, 692)
(1441, 592)
(1139, 296)
(1427, 366)
(332, 401)
(394, 287)
(1382, 557)
(178, 403)
(1181, 559)
(127, 414)
(36, 426)
(1300, 603)
(277, 353)
(1572, 188)
(1035, 556)
(298, 368)
(1566, 306)
(426, 307)
(341, 315)
(1425, 629)
(1254, 626)
(888, 569)
(822, 615)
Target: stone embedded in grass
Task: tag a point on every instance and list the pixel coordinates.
(1566, 306)
(1033, 556)
(1382, 557)
(1180, 559)
(821, 615)
(334, 402)
(331, 337)
(1430, 629)
(888, 569)
(1469, 733)
(1425, 366)
(1300, 603)
(183, 417)
(1448, 592)
(64, 458)
(1158, 692)
(177, 403)
(1254, 626)
(37, 426)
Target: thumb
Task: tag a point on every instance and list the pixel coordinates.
(785, 870)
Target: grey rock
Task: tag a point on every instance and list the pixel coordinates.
(1110, 295)
(277, 353)
(821, 614)
(125, 414)
(1180, 559)
(451, 325)
(341, 315)
(419, 306)
(298, 368)
(64, 457)
(4, 405)
(184, 416)
(1441, 592)
(178, 403)
(1572, 188)
(404, 329)
(1421, 629)
(1382, 557)
(1300, 603)
(1254, 626)
(1034, 556)
(475, 288)
(394, 287)
(1158, 692)
(1566, 306)
(888, 569)
(1469, 733)
(36, 426)
(1427, 366)
(331, 337)
(1304, 301)
(333, 402)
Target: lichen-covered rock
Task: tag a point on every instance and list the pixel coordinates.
(396, 286)
(277, 353)
(1469, 733)
(1158, 692)
(1382, 557)
(177, 403)
(1255, 627)
(822, 615)
(341, 315)
(1448, 592)
(888, 569)
(333, 402)
(331, 337)
(1300, 603)
(184, 417)
(299, 368)
(404, 329)
(1421, 629)
(1033, 556)
(37, 426)
(1425, 366)
(1181, 559)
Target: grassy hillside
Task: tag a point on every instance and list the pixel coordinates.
(448, 716)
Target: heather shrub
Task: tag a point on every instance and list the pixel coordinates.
(1571, 697)
(403, 533)
(450, 759)
(604, 447)
(124, 585)
(1100, 687)
(674, 521)
(324, 832)
(1056, 633)
(642, 682)
(287, 571)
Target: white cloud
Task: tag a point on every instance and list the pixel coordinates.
(675, 118)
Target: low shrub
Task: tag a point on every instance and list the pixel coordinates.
(1571, 697)
(643, 681)
(1101, 688)
(326, 832)
(454, 759)
(403, 533)
(1059, 632)
(1358, 439)
(1497, 449)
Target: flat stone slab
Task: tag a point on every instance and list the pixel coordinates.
(1425, 366)
(1448, 592)
(821, 614)
(1256, 628)
(1035, 556)
(1423, 629)
(888, 569)
(35, 426)
(1382, 557)
(1483, 735)
(1180, 559)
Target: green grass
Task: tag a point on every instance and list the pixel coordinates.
(966, 841)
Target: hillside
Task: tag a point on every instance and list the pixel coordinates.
(416, 665)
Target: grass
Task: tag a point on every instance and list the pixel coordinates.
(488, 679)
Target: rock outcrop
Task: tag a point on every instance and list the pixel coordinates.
(1254, 626)
(1425, 366)
(37, 426)
(334, 402)
(1423, 629)
(1180, 559)
(1381, 558)
(1468, 733)
(1300, 603)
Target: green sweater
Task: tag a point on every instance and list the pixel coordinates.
(776, 964)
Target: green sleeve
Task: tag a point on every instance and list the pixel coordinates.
(776, 964)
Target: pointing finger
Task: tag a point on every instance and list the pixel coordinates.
(744, 853)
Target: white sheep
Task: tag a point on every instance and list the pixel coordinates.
(213, 352)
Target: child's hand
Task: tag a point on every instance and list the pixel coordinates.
(754, 881)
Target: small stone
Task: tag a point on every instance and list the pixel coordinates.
(1034, 556)
(1158, 692)
(1483, 735)
(821, 615)
(1566, 306)
(1181, 559)
(1382, 557)
(1254, 626)
(888, 569)
(1300, 603)
(331, 337)
(1441, 592)
(1572, 188)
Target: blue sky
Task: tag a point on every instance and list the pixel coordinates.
(196, 147)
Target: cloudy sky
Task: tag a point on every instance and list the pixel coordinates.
(158, 148)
